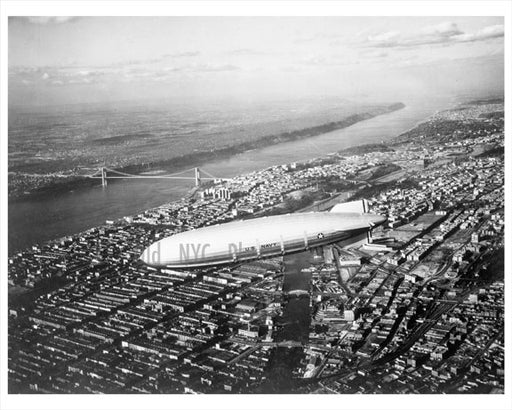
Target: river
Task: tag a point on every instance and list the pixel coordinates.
(294, 323)
(35, 220)
(296, 318)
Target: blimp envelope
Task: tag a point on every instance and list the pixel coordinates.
(261, 237)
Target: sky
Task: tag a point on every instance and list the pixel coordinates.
(67, 60)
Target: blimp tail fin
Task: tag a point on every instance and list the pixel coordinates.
(360, 207)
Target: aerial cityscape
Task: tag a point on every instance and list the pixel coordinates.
(178, 223)
(417, 310)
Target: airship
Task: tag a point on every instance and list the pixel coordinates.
(346, 224)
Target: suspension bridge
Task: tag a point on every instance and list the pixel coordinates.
(105, 174)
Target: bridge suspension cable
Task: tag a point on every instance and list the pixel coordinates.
(101, 173)
(150, 176)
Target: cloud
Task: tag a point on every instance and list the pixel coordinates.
(305, 40)
(445, 29)
(68, 75)
(443, 33)
(57, 75)
(314, 60)
(330, 60)
(385, 37)
(291, 69)
(245, 52)
(160, 59)
(181, 55)
(483, 34)
(334, 39)
(376, 54)
(172, 69)
(50, 19)
(23, 70)
(215, 67)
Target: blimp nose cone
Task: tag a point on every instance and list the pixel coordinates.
(151, 254)
(144, 257)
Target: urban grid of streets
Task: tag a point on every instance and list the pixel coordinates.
(419, 310)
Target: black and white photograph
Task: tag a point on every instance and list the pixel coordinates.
(254, 205)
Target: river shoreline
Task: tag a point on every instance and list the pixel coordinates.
(38, 220)
(202, 157)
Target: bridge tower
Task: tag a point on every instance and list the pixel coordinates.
(197, 176)
(103, 177)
